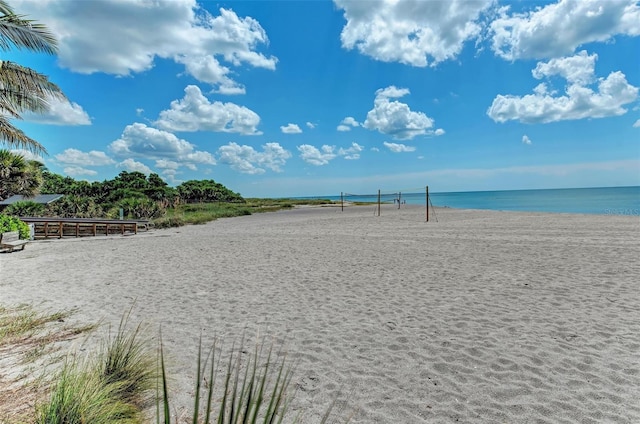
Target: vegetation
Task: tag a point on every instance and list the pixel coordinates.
(142, 197)
(18, 175)
(128, 375)
(11, 223)
(23, 89)
(27, 336)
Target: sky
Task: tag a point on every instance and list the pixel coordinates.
(315, 98)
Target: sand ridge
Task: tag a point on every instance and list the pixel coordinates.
(480, 317)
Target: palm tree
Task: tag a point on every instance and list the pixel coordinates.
(19, 175)
(21, 88)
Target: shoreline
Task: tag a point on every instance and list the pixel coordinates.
(482, 316)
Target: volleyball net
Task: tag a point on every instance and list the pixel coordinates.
(392, 200)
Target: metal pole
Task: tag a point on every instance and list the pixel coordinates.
(378, 202)
(341, 202)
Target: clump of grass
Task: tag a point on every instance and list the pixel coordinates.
(27, 336)
(254, 391)
(80, 395)
(129, 362)
(113, 388)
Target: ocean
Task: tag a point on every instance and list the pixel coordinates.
(600, 200)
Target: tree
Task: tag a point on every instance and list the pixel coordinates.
(22, 89)
(18, 175)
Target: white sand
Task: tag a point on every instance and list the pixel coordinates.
(482, 317)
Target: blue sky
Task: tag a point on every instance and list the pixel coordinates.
(301, 98)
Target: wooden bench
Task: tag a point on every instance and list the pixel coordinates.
(11, 241)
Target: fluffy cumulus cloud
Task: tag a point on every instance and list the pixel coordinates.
(417, 33)
(290, 129)
(78, 171)
(636, 124)
(194, 112)
(352, 152)
(314, 156)
(134, 166)
(399, 148)
(80, 158)
(60, 112)
(393, 118)
(140, 141)
(585, 96)
(348, 123)
(558, 29)
(526, 140)
(248, 160)
(178, 30)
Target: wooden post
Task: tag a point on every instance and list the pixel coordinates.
(427, 203)
(60, 229)
(378, 202)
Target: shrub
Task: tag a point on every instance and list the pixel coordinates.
(12, 223)
(25, 208)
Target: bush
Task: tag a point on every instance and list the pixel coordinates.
(12, 223)
(25, 208)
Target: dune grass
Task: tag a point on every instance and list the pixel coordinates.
(256, 390)
(128, 376)
(201, 213)
(26, 338)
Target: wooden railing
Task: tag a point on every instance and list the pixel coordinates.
(47, 227)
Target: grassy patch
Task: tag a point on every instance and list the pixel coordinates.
(27, 336)
(201, 213)
(128, 376)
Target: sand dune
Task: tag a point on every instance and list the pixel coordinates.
(481, 317)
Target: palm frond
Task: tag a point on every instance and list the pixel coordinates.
(14, 137)
(16, 31)
(20, 78)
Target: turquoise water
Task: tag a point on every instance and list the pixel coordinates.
(601, 200)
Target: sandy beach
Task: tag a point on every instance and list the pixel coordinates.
(481, 317)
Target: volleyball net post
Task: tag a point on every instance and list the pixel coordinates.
(427, 203)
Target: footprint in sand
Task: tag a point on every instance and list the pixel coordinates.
(309, 383)
(390, 325)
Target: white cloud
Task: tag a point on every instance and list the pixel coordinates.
(636, 124)
(194, 112)
(138, 140)
(315, 156)
(352, 152)
(399, 148)
(178, 30)
(558, 29)
(526, 140)
(311, 125)
(60, 112)
(291, 129)
(395, 118)
(247, 160)
(439, 132)
(77, 171)
(579, 101)
(347, 123)
(134, 166)
(167, 164)
(577, 69)
(416, 33)
(76, 157)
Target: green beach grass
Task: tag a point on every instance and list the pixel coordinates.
(201, 213)
(127, 378)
